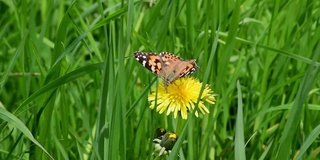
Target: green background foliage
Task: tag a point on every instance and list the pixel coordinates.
(70, 87)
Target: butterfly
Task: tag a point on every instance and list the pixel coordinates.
(166, 65)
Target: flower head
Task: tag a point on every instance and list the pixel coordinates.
(181, 97)
(163, 142)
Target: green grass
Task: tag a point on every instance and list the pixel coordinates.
(70, 87)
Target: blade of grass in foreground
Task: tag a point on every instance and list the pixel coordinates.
(13, 61)
(239, 136)
(62, 80)
(178, 144)
(294, 116)
(310, 139)
(13, 120)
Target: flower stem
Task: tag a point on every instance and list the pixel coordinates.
(180, 125)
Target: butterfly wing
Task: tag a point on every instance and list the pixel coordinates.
(151, 61)
(169, 61)
(175, 67)
(188, 68)
(182, 69)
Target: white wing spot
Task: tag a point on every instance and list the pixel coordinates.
(144, 63)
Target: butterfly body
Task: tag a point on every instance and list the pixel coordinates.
(166, 65)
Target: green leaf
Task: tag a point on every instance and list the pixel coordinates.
(18, 124)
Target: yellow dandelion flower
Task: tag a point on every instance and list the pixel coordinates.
(181, 97)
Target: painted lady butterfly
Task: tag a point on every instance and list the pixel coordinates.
(166, 65)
